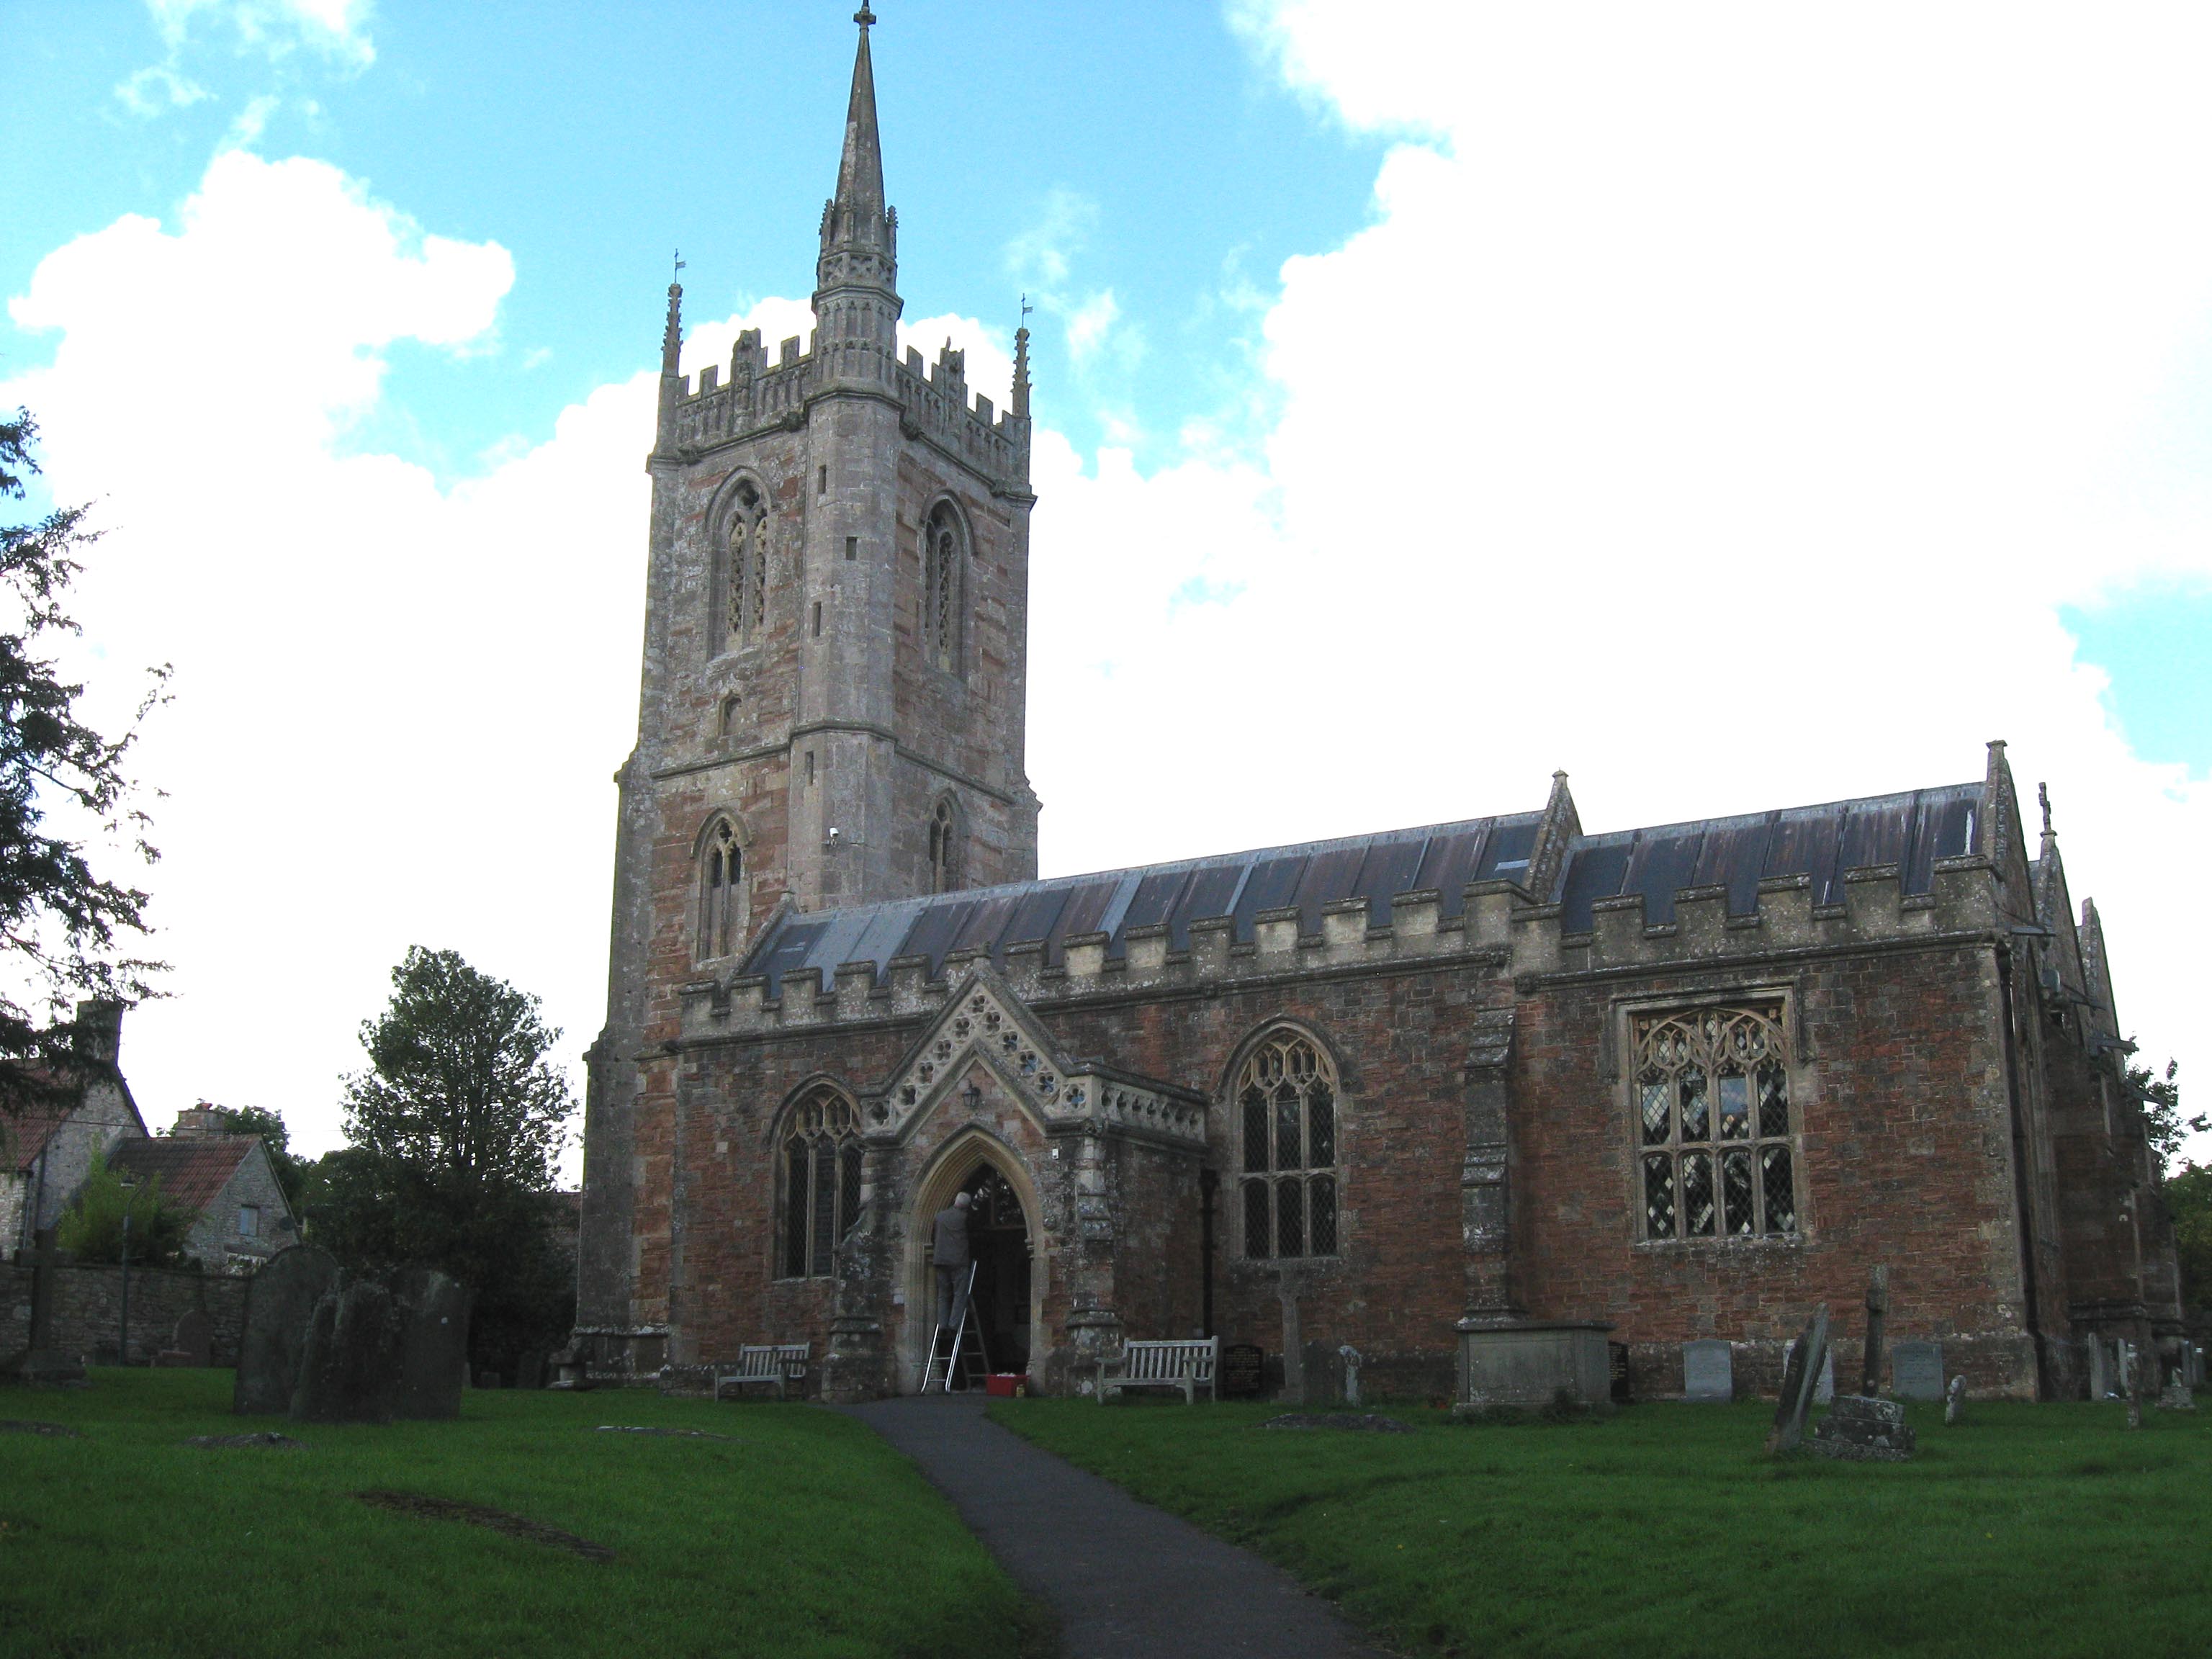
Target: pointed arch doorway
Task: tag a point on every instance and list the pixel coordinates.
(999, 1234)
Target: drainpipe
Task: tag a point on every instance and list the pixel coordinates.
(1208, 1182)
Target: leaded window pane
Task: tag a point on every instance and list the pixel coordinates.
(1735, 1106)
(1659, 1195)
(849, 1186)
(1290, 1218)
(1775, 1169)
(1288, 1152)
(1320, 1131)
(1697, 1195)
(1320, 1194)
(1657, 1114)
(1735, 1191)
(1259, 1229)
(795, 1190)
(1773, 1098)
(1695, 1114)
(825, 1207)
(1255, 1128)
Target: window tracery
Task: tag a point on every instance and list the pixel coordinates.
(747, 581)
(721, 892)
(1717, 1133)
(1286, 1097)
(944, 558)
(821, 1182)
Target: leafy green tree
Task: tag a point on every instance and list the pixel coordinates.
(62, 924)
(2162, 1109)
(454, 1129)
(275, 1139)
(2189, 1201)
(91, 1228)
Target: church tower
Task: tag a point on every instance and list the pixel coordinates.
(836, 665)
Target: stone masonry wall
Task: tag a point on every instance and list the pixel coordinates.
(89, 1307)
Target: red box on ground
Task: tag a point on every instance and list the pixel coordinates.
(1002, 1384)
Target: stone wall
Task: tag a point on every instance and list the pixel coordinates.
(89, 1304)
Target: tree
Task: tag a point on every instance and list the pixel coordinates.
(454, 1128)
(2188, 1201)
(276, 1140)
(91, 1228)
(61, 923)
(2160, 1097)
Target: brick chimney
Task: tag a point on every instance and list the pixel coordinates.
(199, 1121)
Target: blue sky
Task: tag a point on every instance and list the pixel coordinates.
(1738, 406)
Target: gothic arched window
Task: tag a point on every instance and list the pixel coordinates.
(1716, 1136)
(746, 582)
(948, 845)
(1286, 1106)
(721, 891)
(944, 572)
(821, 1179)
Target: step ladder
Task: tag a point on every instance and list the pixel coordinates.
(961, 1346)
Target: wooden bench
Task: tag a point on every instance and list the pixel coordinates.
(773, 1365)
(1187, 1365)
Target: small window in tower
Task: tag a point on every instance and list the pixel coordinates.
(731, 704)
(744, 586)
(852, 547)
(821, 481)
(721, 895)
(810, 769)
(948, 842)
(817, 619)
(944, 583)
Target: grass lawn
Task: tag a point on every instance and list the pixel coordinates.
(804, 1535)
(2033, 1530)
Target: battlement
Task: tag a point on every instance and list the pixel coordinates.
(759, 397)
(1497, 929)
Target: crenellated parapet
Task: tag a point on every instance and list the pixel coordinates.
(1497, 930)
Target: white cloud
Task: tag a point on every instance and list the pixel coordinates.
(1720, 404)
(157, 89)
(335, 29)
(1089, 325)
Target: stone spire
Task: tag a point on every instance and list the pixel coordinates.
(859, 234)
(672, 353)
(1021, 403)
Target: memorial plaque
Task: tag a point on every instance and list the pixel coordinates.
(1242, 1367)
(1708, 1372)
(1915, 1370)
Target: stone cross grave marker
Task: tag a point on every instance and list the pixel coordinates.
(1915, 1370)
(1708, 1372)
(280, 1305)
(1801, 1378)
(1877, 1308)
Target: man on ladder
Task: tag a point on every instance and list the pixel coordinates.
(953, 1340)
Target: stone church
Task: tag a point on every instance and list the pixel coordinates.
(1672, 1084)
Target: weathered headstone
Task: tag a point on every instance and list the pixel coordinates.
(280, 1307)
(1915, 1370)
(1954, 1403)
(1350, 1355)
(1708, 1372)
(1243, 1369)
(529, 1369)
(1864, 1430)
(1801, 1377)
(194, 1339)
(2175, 1395)
(433, 1347)
(39, 1365)
(1294, 1375)
(1877, 1307)
(1824, 1391)
(349, 1372)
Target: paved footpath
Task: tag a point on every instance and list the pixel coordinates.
(1124, 1577)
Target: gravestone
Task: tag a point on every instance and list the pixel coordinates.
(1864, 1430)
(1708, 1372)
(280, 1306)
(350, 1371)
(1619, 1388)
(434, 1345)
(194, 1337)
(1294, 1354)
(1954, 1403)
(1800, 1377)
(1350, 1355)
(2175, 1395)
(39, 1365)
(1824, 1391)
(2100, 1369)
(1877, 1310)
(529, 1369)
(1917, 1371)
(1243, 1369)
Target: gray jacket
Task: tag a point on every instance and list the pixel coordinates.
(950, 1249)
